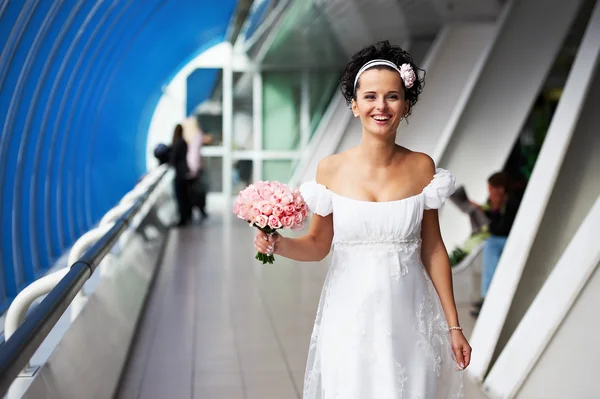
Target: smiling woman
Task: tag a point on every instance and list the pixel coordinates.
(384, 56)
(387, 325)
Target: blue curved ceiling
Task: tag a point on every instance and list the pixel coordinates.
(79, 81)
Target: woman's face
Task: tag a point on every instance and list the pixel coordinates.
(380, 102)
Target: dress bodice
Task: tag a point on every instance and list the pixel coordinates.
(366, 222)
(380, 330)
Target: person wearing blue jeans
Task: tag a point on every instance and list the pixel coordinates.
(492, 249)
(501, 210)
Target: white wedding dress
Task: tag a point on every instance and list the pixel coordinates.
(380, 332)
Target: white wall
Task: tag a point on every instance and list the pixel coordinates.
(568, 368)
(450, 65)
(516, 67)
(352, 136)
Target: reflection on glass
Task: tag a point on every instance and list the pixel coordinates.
(242, 174)
(277, 170)
(213, 173)
(212, 126)
(322, 85)
(281, 110)
(204, 101)
(242, 112)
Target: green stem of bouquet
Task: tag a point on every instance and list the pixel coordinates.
(264, 258)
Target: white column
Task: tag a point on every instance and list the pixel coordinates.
(257, 107)
(227, 127)
(510, 81)
(304, 110)
(527, 227)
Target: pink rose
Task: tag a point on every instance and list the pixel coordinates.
(274, 222)
(298, 203)
(236, 208)
(255, 197)
(256, 211)
(265, 193)
(298, 218)
(408, 75)
(243, 212)
(278, 193)
(274, 199)
(261, 221)
(278, 210)
(289, 210)
(265, 208)
(287, 198)
(287, 221)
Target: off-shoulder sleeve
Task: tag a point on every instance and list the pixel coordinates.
(441, 187)
(317, 197)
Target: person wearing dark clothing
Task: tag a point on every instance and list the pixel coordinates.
(502, 219)
(162, 153)
(182, 190)
(501, 209)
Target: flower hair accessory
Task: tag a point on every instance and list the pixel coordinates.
(407, 74)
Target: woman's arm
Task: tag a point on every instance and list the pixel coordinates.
(435, 259)
(311, 247)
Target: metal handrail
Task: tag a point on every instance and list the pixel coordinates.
(22, 342)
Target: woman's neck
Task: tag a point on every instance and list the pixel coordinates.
(377, 151)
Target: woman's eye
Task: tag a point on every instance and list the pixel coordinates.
(369, 97)
(393, 96)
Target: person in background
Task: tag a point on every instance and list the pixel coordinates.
(501, 210)
(196, 137)
(179, 150)
(162, 153)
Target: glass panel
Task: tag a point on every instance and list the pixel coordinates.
(204, 101)
(322, 85)
(277, 170)
(212, 126)
(306, 37)
(242, 174)
(281, 110)
(213, 173)
(243, 138)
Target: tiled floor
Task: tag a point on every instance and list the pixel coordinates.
(221, 325)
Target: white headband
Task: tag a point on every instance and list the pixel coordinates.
(406, 72)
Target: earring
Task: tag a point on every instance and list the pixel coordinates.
(355, 115)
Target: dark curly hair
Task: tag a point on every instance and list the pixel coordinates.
(381, 50)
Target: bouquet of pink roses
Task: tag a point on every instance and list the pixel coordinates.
(269, 206)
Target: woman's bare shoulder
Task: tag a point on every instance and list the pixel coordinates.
(421, 164)
(329, 167)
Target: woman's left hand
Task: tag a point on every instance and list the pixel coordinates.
(461, 349)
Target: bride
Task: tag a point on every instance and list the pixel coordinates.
(387, 325)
